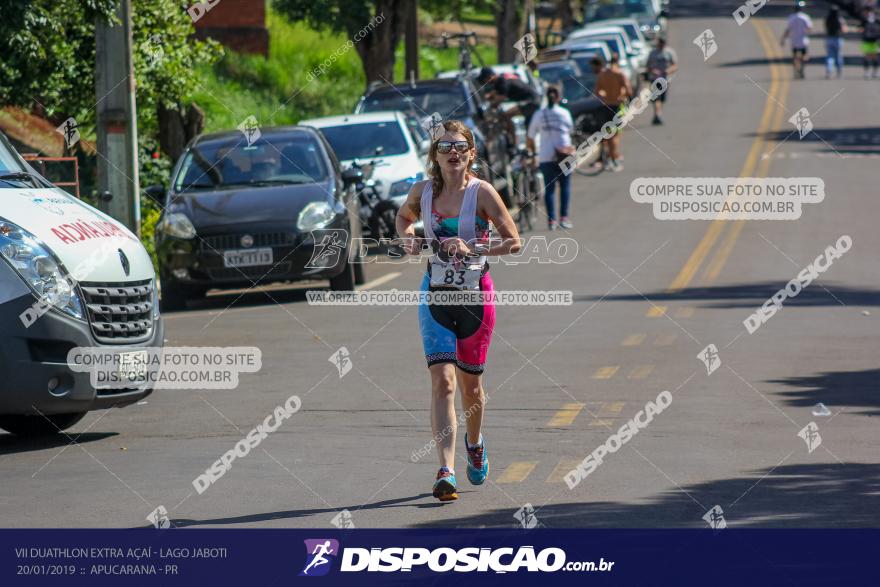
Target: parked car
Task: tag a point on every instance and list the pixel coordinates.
(455, 98)
(246, 212)
(395, 153)
(617, 42)
(650, 14)
(581, 55)
(70, 277)
(553, 71)
(630, 27)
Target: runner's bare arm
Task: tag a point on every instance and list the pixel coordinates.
(408, 215)
(491, 206)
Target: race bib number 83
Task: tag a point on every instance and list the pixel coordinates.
(462, 276)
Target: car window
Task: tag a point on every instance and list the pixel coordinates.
(575, 88)
(232, 162)
(370, 139)
(449, 102)
(608, 9)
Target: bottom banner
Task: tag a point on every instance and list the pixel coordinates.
(169, 557)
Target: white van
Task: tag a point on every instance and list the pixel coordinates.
(70, 276)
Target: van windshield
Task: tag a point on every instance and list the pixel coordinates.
(9, 163)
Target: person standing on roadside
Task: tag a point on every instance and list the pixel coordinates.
(798, 30)
(870, 38)
(662, 62)
(554, 123)
(614, 89)
(835, 28)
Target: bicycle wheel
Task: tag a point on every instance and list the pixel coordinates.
(588, 165)
(524, 221)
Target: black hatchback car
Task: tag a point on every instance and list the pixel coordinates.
(242, 211)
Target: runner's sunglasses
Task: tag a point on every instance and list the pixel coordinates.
(445, 147)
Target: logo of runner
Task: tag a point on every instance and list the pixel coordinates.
(320, 553)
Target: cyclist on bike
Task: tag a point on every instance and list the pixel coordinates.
(500, 89)
(798, 30)
(614, 89)
(457, 209)
(554, 123)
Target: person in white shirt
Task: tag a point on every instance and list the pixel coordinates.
(554, 124)
(798, 30)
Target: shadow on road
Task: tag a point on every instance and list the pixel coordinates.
(821, 495)
(865, 139)
(835, 389)
(754, 294)
(293, 514)
(11, 444)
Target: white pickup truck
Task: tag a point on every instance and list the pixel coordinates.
(70, 277)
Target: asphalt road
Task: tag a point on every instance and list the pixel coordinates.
(649, 295)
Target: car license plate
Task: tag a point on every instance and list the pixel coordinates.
(247, 257)
(132, 367)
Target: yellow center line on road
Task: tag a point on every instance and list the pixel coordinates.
(517, 472)
(612, 407)
(640, 372)
(665, 339)
(713, 270)
(769, 114)
(634, 340)
(566, 415)
(656, 311)
(606, 372)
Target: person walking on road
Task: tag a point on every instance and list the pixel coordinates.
(870, 39)
(798, 31)
(662, 62)
(457, 208)
(554, 125)
(835, 28)
(614, 89)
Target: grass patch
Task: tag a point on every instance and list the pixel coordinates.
(277, 90)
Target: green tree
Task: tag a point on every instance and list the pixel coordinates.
(374, 27)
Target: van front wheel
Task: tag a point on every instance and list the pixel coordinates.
(21, 425)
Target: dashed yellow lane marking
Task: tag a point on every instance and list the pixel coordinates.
(612, 407)
(563, 467)
(634, 340)
(517, 472)
(566, 415)
(665, 339)
(685, 312)
(606, 372)
(601, 423)
(656, 311)
(640, 372)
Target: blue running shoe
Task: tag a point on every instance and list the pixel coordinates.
(444, 486)
(477, 462)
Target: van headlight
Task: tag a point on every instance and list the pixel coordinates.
(315, 215)
(402, 187)
(177, 225)
(37, 266)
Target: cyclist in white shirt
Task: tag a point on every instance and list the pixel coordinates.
(798, 30)
(554, 124)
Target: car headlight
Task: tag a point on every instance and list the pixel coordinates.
(37, 266)
(315, 215)
(402, 187)
(177, 225)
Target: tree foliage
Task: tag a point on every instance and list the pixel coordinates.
(47, 55)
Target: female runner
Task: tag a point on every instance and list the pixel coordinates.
(457, 209)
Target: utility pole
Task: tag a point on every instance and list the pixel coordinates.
(118, 186)
(412, 41)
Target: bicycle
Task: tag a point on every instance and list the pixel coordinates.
(529, 189)
(465, 64)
